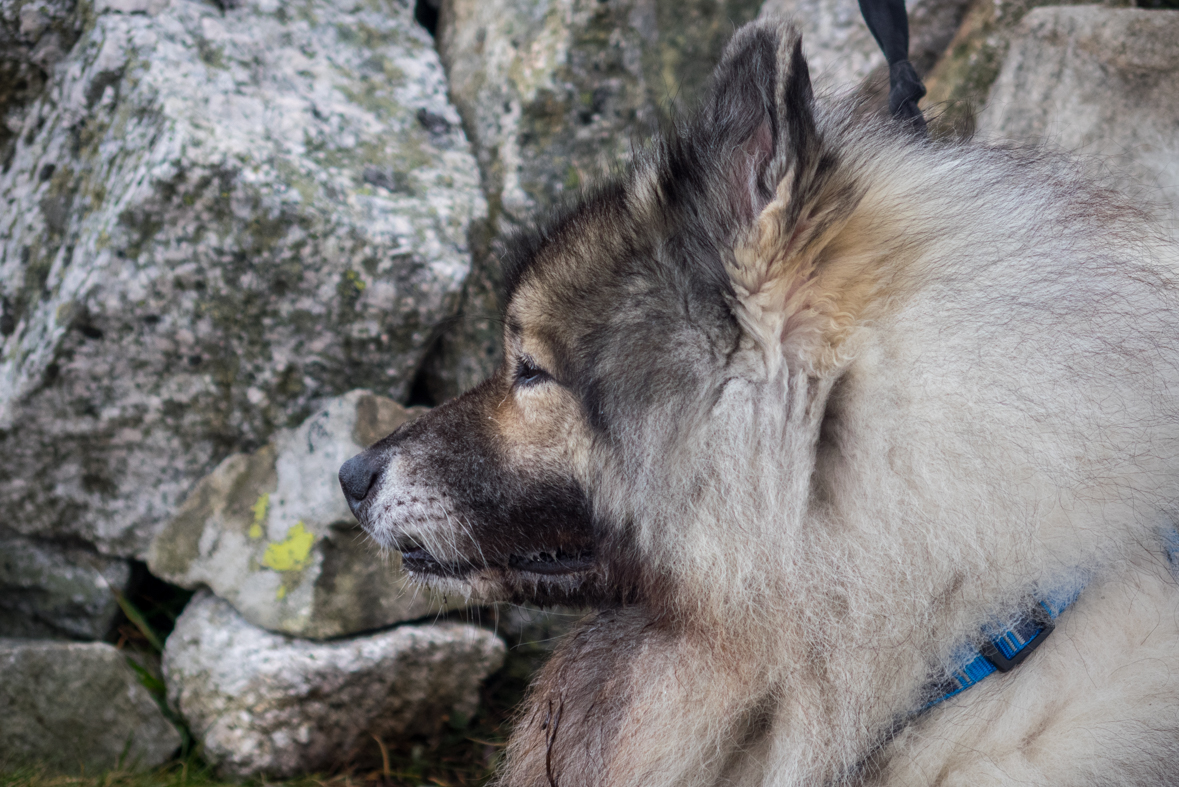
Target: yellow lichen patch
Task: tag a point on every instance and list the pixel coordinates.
(290, 554)
(259, 508)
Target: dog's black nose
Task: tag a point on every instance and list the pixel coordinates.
(357, 477)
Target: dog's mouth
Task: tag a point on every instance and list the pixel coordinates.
(553, 563)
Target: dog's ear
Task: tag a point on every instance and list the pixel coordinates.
(761, 115)
(789, 198)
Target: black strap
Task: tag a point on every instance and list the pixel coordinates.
(889, 22)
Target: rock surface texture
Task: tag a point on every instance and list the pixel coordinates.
(271, 532)
(553, 94)
(47, 590)
(960, 83)
(262, 703)
(1102, 82)
(77, 706)
(210, 220)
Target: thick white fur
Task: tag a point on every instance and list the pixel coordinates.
(1008, 419)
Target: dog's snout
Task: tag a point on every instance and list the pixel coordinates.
(358, 476)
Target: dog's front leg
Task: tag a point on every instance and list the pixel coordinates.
(627, 700)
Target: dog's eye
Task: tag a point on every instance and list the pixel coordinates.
(527, 373)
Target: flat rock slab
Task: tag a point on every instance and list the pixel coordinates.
(271, 532)
(58, 592)
(1102, 82)
(209, 221)
(77, 706)
(267, 704)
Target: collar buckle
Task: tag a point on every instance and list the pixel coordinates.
(1021, 639)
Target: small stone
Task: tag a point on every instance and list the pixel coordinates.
(77, 707)
(267, 704)
(53, 591)
(271, 532)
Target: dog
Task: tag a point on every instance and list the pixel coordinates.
(808, 407)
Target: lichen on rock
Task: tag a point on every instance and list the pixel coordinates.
(34, 36)
(271, 532)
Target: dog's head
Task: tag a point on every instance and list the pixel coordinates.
(644, 327)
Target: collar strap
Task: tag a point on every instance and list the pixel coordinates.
(1004, 649)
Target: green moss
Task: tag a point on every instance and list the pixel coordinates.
(34, 280)
(308, 189)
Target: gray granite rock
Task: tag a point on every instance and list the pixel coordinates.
(553, 94)
(1103, 83)
(271, 533)
(263, 703)
(77, 706)
(59, 592)
(210, 220)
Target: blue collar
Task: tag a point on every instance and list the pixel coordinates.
(1006, 645)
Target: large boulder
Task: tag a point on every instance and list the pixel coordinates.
(211, 219)
(1103, 82)
(59, 592)
(271, 532)
(77, 706)
(553, 94)
(267, 704)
